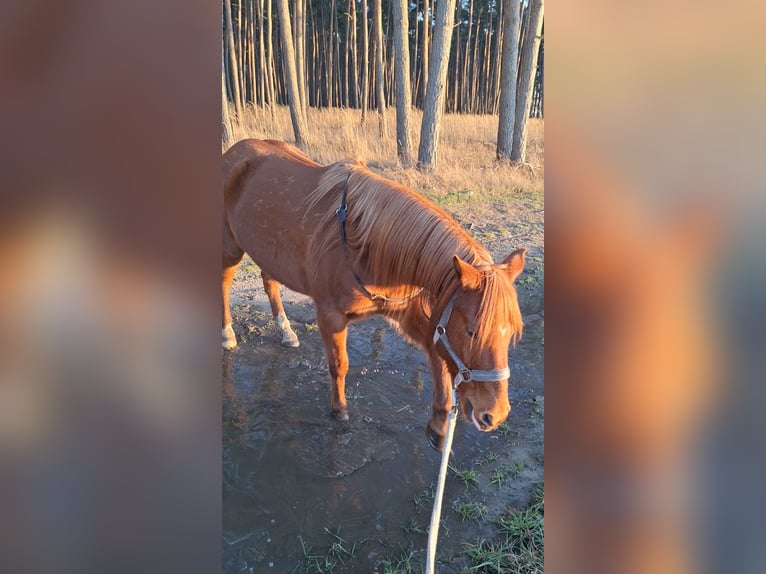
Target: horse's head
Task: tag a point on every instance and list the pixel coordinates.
(485, 320)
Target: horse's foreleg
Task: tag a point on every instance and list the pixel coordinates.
(332, 326)
(271, 286)
(436, 429)
(229, 338)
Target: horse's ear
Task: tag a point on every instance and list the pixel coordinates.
(514, 263)
(470, 278)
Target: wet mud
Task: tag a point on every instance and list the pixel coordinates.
(296, 481)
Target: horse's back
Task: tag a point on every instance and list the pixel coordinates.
(265, 186)
(249, 155)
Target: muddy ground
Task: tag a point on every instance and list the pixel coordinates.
(305, 493)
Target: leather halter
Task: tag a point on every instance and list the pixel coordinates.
(464, 374)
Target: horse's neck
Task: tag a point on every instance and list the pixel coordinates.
(416, 318)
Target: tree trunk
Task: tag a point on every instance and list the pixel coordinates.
(330, 57)
(433, 108)
(414, 68)
(263, 90)
(465, 84)
(528, 67)
(297, 113)
(365, 61)
(508, 73)
(354, 58)
(271, 68)
(403, 86)
(300, 50)
(424, 51)
(239, 51)
(380, 94)
(225, 117)
(233, 67)
(498, 58)
(475, 64)
(458, 60)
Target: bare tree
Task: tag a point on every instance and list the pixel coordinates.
(466, 59)
(271, 67)
(299, 38)
(433, 108)
(528, 67)
(297, 112)
(365, 62)
(380, 95)
(403, 86)
(424, 51)
(508, 74)
(225, 117)
(354, 56)
(233, 66)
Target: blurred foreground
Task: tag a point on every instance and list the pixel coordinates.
(655, 274)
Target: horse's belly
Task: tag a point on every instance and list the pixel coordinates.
(278, 251)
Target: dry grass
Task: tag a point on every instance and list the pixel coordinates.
(466, 164)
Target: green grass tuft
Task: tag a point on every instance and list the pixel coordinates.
(474, 511)
(468, 476)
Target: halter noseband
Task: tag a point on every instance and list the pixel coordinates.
(464, 374)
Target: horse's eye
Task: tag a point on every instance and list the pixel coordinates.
(470, 333)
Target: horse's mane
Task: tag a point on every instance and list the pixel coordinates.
(396, 237)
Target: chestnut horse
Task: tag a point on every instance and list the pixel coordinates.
(361, 245)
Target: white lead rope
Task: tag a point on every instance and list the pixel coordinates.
(433, 531)
(464, 374)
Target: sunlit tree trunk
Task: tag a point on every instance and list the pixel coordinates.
(365, 62)
(240, 51)
(403, 86)
(233, 67)
(508, 74)
(271, 67)
(354, 57)
(379, 74)
(475, 65)
(424, 51)
(415, 70)
(299, 35)
(331, 57)
(297, 113)
(527, 69)
(465, 84)
(433, 108)
(498, 58)
(225, 117)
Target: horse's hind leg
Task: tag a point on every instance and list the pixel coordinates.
(229, 267)
(232, 255)
(271, 286)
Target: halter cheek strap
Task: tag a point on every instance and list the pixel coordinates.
(464, 374)
(342, 213)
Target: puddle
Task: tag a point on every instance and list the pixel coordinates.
(290, 471)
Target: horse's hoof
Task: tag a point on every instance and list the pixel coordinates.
(229, 338)
(436, 441)
(291, 341)
(341, 415)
